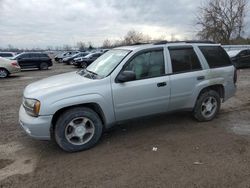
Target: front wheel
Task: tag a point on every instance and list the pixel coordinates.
(207, 106)
(78, 129)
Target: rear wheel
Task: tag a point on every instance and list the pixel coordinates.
(43, 66)
(78, 129)
(3, 73)
(207, 106)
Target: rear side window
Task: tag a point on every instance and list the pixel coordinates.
(44, 55)
(184, 59)
(216, 56)
(34, 55)
(25, 56)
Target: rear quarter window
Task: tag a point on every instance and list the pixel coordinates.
(216, 56)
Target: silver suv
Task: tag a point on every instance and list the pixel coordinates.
(125, 83)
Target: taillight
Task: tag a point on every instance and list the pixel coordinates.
(14, 64)
(235, 75)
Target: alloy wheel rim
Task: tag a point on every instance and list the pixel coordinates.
(79, 131)
(3, 74)
(209, 107)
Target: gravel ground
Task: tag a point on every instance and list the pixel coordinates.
(163, 151)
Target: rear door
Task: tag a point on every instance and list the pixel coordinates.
(149, 93)
(35, 60)
(187, 72)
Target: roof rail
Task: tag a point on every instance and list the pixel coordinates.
(186, 41)
(139, 43)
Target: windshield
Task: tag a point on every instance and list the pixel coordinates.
(16, 56)
(106, 63)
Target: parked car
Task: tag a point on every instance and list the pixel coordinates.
(240, 58)
(8, 67)
(70, 59)
(126, 83)
(33, 60)
(84, 62)
(59, 57)
(7, 55)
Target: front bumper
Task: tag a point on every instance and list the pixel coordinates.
(36, 127)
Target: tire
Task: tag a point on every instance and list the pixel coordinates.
(44, 66)
(78, 129)
(207, 106)
(4, 73)
(84, 65)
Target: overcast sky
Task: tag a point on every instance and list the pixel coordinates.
(42, 23)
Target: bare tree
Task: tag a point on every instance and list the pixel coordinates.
(222, 20)
(107, 44)
(67, 47)
(81, 46)
(133, 37)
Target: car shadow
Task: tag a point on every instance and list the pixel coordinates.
(172, 121)
(14, 76)
(153, 125)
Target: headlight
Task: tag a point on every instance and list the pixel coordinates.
(32, 106)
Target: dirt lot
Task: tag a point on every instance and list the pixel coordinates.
(189, 154)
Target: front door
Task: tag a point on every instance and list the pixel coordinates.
(149, 93)
(24, 60)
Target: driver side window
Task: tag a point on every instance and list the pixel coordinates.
(147, 65)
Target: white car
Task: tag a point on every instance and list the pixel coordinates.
(8, 67)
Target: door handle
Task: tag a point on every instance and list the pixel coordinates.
(201, 78)
(161, 84)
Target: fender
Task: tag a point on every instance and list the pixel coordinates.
(105, 105)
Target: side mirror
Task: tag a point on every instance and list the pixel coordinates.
(126, 76)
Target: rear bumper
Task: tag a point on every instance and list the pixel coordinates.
(15, 70)
(36, 127)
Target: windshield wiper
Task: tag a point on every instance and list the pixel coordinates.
(94, 73)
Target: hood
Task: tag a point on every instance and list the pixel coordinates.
(62, 82)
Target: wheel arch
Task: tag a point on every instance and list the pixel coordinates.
(94, 106)
(219, 88)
